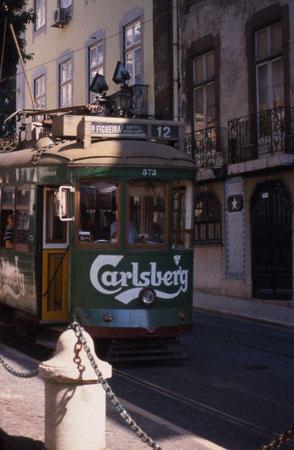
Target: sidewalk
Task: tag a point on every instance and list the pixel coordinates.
(22, 416)
(249, 309)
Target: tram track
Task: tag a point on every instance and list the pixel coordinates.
(232, 340)
(268, 434)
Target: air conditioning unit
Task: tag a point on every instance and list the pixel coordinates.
(59, 18)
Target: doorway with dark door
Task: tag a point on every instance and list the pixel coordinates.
(271, 242)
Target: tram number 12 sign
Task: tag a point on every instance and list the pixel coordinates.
(164, 132)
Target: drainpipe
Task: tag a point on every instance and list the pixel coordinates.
(175, 60)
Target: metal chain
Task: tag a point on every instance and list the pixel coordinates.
(280, 440)
(15, 373)
(123, 413)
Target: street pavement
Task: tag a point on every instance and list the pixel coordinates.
(273, 313)
(22, 400)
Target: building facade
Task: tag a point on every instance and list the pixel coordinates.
(224, 67)
(71, 41)
(237, 98)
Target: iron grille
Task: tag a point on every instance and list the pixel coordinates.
(267, 132)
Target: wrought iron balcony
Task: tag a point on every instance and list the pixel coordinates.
(267, 132)
(208, 147)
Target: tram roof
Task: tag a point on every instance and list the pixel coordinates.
(124, 153)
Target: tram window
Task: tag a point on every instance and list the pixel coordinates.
(98, 212)
(7, 198)
(182, 214)
(56, 231)
(7, 227)
(147, 203)
(7, 218)
(22, 217)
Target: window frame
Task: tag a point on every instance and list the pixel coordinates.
(132, 49)
(40, 6)
(97, 68)
(268, 60)
(208, 197)
(203, 85)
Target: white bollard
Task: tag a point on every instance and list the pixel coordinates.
(75, 402)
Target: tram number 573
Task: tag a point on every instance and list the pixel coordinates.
(149, 172)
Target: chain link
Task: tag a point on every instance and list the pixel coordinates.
(114, 400)
(280, 440)
(15, 373)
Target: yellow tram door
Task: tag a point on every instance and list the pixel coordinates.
(55, 260)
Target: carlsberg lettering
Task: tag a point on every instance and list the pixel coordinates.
(127, 285)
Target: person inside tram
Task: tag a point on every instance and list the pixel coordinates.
(9, 231)
(155, 233)
(132, 232)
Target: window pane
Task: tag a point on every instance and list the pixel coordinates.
(98, 212)
(210, 95)
(278, 83)
(261, 43)
(128, 37)
(7, 196)
(65, 72)
(65, 3)
(55, 229)
(23, 197)
(40, 14)
(22, 233)
(198, 69)
(129, 62)
(210, 67)
(276, 38)
(147, 212)
(7, 228)
(182, 214)
(198, 108)
(96, 55)
(138, 67)
(65, 95)
(137, 32)
(263, 87)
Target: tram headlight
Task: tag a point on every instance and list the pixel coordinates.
(147, 296)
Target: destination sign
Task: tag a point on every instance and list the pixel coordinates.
(119, 129)
(164, 132)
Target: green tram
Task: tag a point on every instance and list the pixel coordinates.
(97, 226)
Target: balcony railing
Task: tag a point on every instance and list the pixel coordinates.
(208, 147)
(267, 132)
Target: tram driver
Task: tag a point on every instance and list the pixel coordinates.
(132, 232)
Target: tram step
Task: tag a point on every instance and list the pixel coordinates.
(145, 350)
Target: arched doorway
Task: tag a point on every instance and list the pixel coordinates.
(271, 242)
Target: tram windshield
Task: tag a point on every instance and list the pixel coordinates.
(142, 216)
(147, 203)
